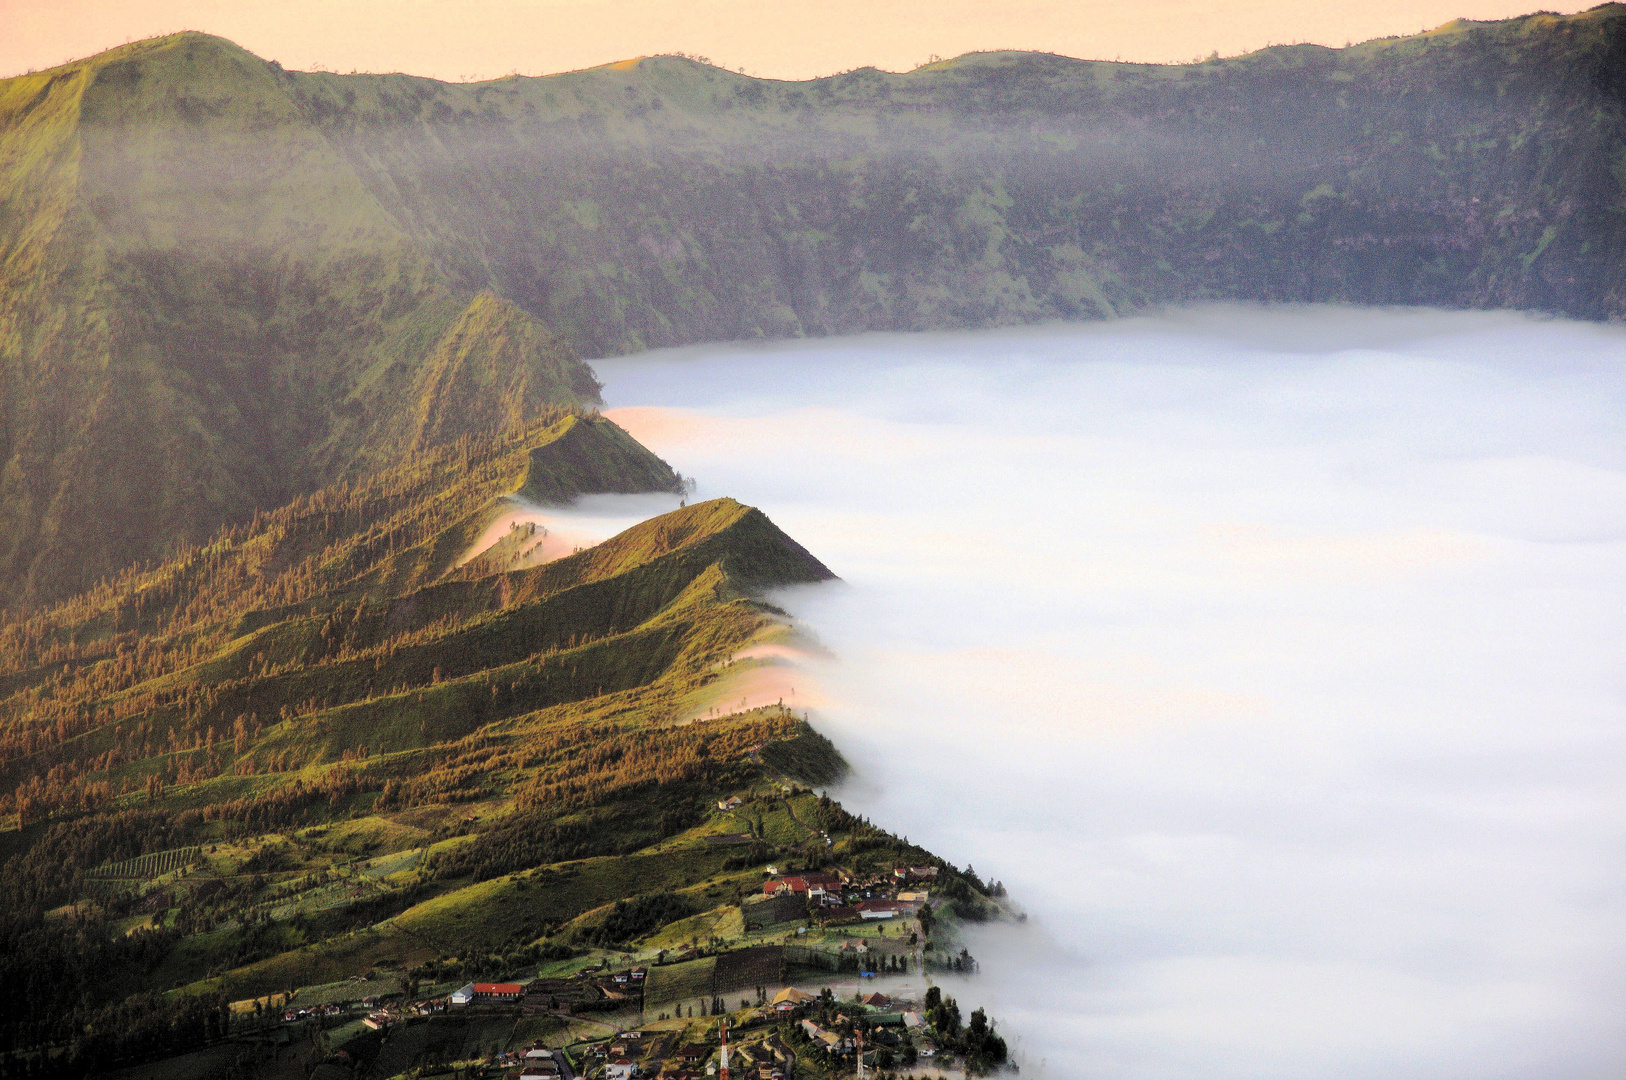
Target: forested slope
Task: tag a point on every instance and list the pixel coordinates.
(194, 754)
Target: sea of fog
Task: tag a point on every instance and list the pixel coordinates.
(1272, 658)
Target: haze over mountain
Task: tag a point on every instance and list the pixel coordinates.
(223, 284)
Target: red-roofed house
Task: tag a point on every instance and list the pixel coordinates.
(498, 991)
(883, 909)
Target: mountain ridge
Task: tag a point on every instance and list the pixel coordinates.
(223, 283)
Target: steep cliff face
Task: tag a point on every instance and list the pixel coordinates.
(222, 284)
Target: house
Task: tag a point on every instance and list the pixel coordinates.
(498, 991)
(913, 1020)
(620, 1069)
(831, 916)
(914, 873)
(694, 1053)
(876, 1000)
(790, 997)
(813, 886)
(882, 909)
(463, 995)
(914, 896)
(540, 1070)
(733, 802)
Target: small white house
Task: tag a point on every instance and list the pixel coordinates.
(463, 995)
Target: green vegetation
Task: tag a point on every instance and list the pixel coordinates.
(638, 917)
(320, 743)
(224, 285)
(275, 347)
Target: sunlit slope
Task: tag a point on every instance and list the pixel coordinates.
(345, 623)
(364, 545)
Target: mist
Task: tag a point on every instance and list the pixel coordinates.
(1270, 657)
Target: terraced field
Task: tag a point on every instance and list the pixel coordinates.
(148, 866)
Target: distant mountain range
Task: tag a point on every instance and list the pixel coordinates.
(224, 284)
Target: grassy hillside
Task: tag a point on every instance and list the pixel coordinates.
(322, 742)
(223, 284)
(203, 312)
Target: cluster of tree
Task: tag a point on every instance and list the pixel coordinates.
(596, 759)
(51, 870)
(491, 965)
(982, 1046)
(58, 976)
(332, 921)
(518, 842)
(967, 895)
(288, 805)
(216, 901)
(961, 962)
(638, 917)
(755, 855)
(808, 756)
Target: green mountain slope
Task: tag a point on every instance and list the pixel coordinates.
(346, 622)
(223, 284)
(197, 753)
(205, 312)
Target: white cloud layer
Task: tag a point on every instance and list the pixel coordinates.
(1272, 658)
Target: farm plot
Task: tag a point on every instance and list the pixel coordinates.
(669, 983)
(763, 965)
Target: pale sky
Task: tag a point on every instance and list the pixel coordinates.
(463, 40)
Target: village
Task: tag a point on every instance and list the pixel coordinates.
(831, 976)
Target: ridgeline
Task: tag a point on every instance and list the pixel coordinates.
(224, 284)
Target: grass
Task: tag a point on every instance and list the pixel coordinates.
(506, 910)
(722, 922)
